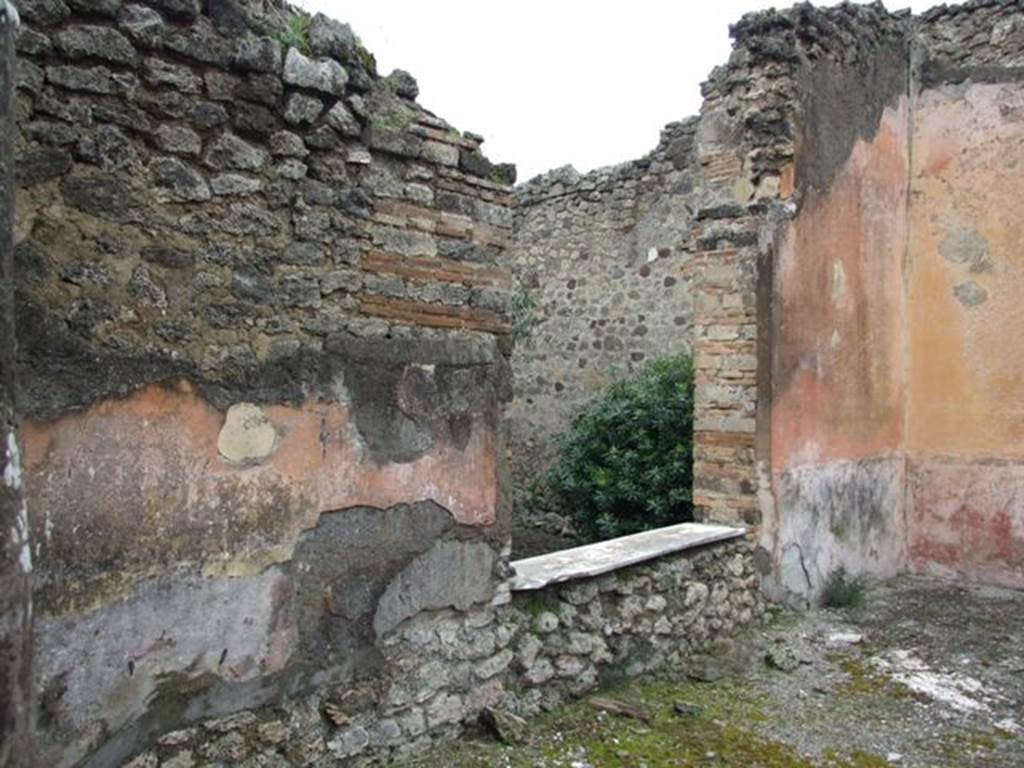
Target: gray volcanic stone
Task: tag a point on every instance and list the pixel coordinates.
(255, 119)
(220, 86)
(303, 254)
(186, 9)
(229, 16)
(178, 140)
(33, 43)
(328, 37)
(259, 54)
(159, 72)
(99, 42)
(287, 144)
(325, 75)
(146, 289)
(300, 291)
(349, 742)
(343, 121)
(43, 12)
(229, 151)
(291, 169)
(180, 181)
(103, 196)
(108, 147)
(171, 258)
(29, 77)
(200, 42)
(235, 184)
(100, 7)
(302, 109)
(208, 114)
(42, 165)
(72, 110)
(263, 88)
(91, 79)
(143, 26)
(404, 84)
(322, 138)
(57, 134)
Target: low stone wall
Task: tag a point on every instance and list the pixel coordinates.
(527, 651)
(573, 636)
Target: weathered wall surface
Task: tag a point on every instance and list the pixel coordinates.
(779, 121)
(600, 255)
(543, 648)
(837, 378)
(965, 421)
(16, 684)
(260, 358)
(893, 398)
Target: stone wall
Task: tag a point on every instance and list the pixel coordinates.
(600, 255)
(978, 35)
(262, 342)
(542, 648)
(16, 685)
(263, 337)
(573, 636)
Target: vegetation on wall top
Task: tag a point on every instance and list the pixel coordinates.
(626, 462)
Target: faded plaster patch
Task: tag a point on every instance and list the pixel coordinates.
(768, 188)
(838, 282)
(12, 466)
(970, 294)
(793, 576)
(742, 190)
(451, 573)
(21, 539)
(104, 666)
(13, 480)
(247, 434)
(966, 246)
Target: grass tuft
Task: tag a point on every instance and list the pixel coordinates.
(843, 590)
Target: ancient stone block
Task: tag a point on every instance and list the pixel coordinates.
(301, 109)
(229, 151)
(178, 180)
(328, 37)
(143, 26)
(98, 42)
(325, 75)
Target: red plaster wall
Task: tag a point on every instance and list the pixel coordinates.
(965, 418)
(138, 484)
(837, 373)
(838, 315)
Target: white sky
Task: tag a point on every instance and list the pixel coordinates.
(553, 82)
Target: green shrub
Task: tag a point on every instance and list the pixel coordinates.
(843, 590)
(295, 33)
(524, 313)
(626, 463)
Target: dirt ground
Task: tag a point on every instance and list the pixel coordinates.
(925, 674)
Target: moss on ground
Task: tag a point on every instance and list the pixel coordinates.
(722, 733)
(865, 679)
